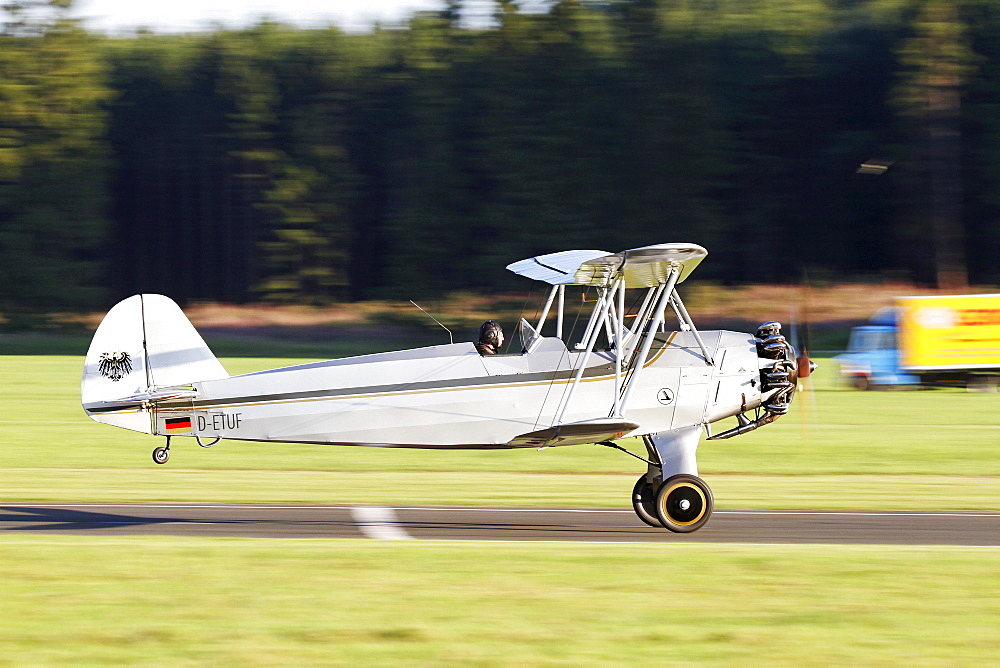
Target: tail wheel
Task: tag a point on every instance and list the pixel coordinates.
(684, 503)
(644, 502)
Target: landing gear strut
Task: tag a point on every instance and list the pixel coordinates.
(162, 453)
(682, 502)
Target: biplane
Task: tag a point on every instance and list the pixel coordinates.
(627, 375)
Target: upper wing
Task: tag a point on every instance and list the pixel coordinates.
(642, 267)
(556, 268)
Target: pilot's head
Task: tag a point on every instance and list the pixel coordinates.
(491, 333)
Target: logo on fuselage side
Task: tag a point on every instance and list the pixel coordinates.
(665, 396)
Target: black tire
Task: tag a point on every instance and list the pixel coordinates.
(684, 503)
(161, 455)
(644, 502)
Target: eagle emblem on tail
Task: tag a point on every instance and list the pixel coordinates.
(115, 366)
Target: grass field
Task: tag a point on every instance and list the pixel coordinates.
(154, 601)
(160, 601)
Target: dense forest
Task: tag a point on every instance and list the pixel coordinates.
(843, 139)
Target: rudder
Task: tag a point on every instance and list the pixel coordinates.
(143, 344)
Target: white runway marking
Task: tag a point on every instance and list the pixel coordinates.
(378, 523)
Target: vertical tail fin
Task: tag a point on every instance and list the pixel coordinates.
(144, 342)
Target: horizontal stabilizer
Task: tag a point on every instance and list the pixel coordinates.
(575, 433)
(137, 401)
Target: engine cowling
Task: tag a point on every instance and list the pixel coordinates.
(780, 371)
(779, 377)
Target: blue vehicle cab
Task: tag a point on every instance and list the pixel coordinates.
(872, 357)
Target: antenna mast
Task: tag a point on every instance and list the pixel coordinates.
(451, 339)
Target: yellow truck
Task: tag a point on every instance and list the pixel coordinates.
(948, 339)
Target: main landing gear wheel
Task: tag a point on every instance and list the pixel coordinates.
(684, 503)
(644, 502)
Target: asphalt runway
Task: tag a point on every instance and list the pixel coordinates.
(496, 524)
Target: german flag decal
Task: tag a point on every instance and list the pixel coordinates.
(178, 424)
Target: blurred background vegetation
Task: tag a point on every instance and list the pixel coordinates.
(837, 139)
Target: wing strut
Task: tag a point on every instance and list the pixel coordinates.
(590, 339)
(560, 292)
(619, 346)
(644, 314)
(647, 342)
(686, 319)
(548, 305)
(609, 315)
(559, 315)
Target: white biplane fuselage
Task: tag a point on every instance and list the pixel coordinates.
(149, 370)
(450, 396)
